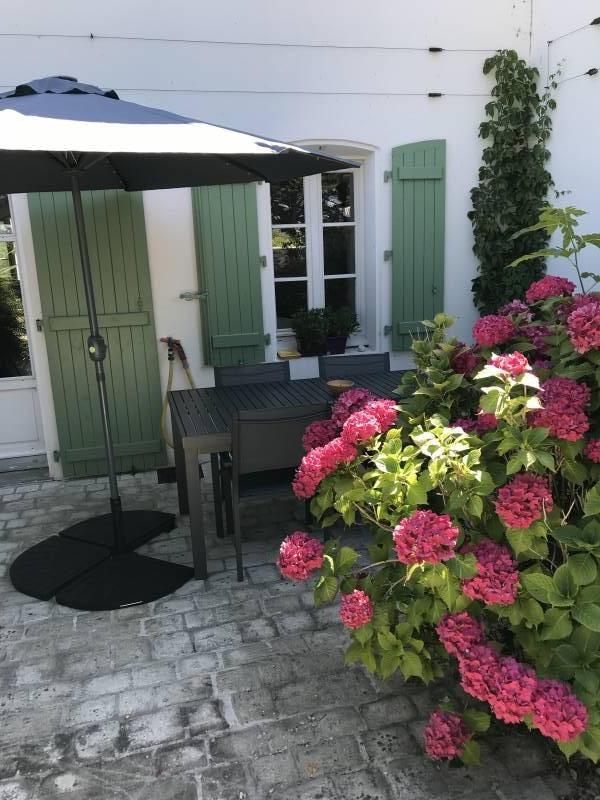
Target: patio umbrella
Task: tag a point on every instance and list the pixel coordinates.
(57, 134)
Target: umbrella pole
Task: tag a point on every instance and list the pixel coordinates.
(97, 352)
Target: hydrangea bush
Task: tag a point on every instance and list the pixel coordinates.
(481, 489)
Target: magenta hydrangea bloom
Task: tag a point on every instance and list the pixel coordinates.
(486, 422)
(512, 363)
(458, 633)
(356, 609)
(360, 427)
(465, 359)
(523, 501)
(349, 402)
(299, 556)
(583, 326)
(566, 391)
(549, 286)
(319, 433)
(563, 413)
(478, 672)
(425, 536)
(516, 308)
(318, 464)
(445, 735)
(557, 713)
(492, 330)
(385, 412)
(468, 425)
(592, 450)
(537, 334)
(515, 684)
(497, 578)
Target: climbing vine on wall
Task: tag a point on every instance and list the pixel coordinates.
(513, 180)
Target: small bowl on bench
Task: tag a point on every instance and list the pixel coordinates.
(339, 386)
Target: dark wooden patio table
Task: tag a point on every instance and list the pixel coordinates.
(202, 421)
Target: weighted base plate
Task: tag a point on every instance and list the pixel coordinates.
(49, 566)
(137, 528)
(124, 580)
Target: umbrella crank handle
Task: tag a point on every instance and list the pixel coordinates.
(97, 348)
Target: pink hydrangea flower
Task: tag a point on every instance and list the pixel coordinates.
(592, 450)
(516, 308)
(359, 427)
(549, 286)
(583, 326)
(318, 464)
(512, 363)
(356, 609)
(445, 735)
(425, 536)
(319, 433)
(299, 556)
(563, 413)
(541, 363)
(523, 501)
(486, 422)
(349, 402)
(458, 633)
(385, 412)
(492, 330)
(512, 697)
(465, 359)
(537, 334)
(497, 578)
(478, 672)
(557, 713)
(468, 425)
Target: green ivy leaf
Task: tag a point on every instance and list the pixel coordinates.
(410, 665)
(364, 633)
(476, 721)
(388, 664)
(325, 589)
(345, 560)
(471, 753)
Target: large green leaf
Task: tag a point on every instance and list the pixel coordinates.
(538, 585)
(583, 568)
(587, 614)
(325, 589)
(564, 582)
(591, 506)
(557, 624)
(410, 665)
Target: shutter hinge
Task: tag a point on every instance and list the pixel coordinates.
(193, 295)
(387, 329)
(39, 324)
(267, 338)
(387, 255)
(262, 260)
(388, 175)
(56, 456)
(434, 289)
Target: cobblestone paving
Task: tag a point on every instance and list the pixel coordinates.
(223, 691)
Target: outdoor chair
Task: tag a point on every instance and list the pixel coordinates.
(239, 375)
(266, 449)
(349, 366)
(269, 372)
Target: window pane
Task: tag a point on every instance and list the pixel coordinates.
(338, 250)
(5, 222)
(289, 252)
(290, 297)
(338, 196)
(287, 202)
(14, 350)
(340, 293)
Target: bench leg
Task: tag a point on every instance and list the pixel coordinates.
(196, 514)
(182, 491)
(217, 496)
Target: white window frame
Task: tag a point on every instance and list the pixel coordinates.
(315, 267)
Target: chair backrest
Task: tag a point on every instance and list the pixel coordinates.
(270, 439)
(268, 372)
(343, 366)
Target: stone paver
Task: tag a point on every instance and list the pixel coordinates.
(223, 691)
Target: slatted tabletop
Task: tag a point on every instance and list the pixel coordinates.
(205, 415)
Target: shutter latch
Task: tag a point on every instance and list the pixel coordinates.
(387, 329)
(434, 289)
(387, 255)
(262, 260)
(193, 295)
(388, 175)
(39, 325)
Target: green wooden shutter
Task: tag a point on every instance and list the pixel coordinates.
(418, 207)
(226, 228)
(119, 260)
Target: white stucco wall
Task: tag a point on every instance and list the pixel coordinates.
(353, 89)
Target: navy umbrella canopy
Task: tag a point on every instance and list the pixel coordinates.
(57, 134)
(50, 125)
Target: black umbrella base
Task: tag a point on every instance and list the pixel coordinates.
(124, 580)
(89, 578)
(137, 527)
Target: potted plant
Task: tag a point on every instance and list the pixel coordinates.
(341, 323)
(310, 328)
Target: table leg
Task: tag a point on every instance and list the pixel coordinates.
(182, 490)
(217, 495)
(194, 485)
